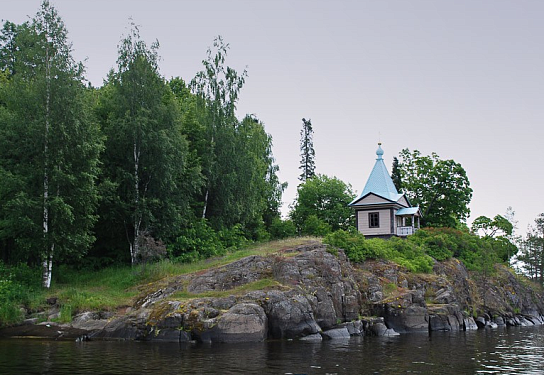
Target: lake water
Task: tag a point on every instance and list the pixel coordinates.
(500, 351)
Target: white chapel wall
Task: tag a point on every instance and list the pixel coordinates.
(385, 222)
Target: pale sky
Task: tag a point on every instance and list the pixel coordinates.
(462, 78)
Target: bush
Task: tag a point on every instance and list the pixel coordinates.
(18, 285)
(405, 253)
(353, 244)
(280, 229)
(439, 247)
(199, 241)
(475, 252)
(314, 226)
(233, 238)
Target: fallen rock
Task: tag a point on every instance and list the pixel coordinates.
(289, 316)
(378, 329)
(355, 328)
(244, 322)
(469, 324)
(335, 334)
(314, 337)
(391, 332)
(439, 323)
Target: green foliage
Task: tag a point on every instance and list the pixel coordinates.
(145, 171)
(498, 226)
(166, 154)
(403, 252)
(232, 238)
(325, 198)
(235, 157)
(18, 288)
(282, 228)
(307, 152)
(440, 187)
(198, 241)
(436, 242)
(65, 314)
(354, 245)
(49, 146)
(477, 253)
(396, 175)
(410, 255)
(314, 226)
(532, 250)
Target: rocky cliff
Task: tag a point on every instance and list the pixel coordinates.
(309, 293)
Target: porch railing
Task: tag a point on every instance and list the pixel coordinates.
(405, 231)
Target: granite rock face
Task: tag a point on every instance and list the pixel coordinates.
(310, 294)
(244, 322)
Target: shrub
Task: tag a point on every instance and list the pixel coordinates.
(353, 244)
(196, 242)
(405, 253)
(314, 226)
(18, 286)
(410, 255)
(232, 238)
(201, 241)
(280, 229)
(475, 252)
(439, 247)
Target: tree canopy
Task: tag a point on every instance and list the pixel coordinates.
(146, 153)
(440, 187)
(322, 202)
(49, 146)
(532, 250)
(123, 171)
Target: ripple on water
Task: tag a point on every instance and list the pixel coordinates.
(500, 351)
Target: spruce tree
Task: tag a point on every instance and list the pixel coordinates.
(395, 175)
(307, 153)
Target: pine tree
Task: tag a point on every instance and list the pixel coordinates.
(307, 153)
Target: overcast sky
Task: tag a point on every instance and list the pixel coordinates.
(464, 79)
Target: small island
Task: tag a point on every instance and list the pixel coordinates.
(145, 209)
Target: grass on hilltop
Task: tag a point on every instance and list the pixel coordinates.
(116, 287)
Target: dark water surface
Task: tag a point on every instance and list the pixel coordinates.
(500, 351)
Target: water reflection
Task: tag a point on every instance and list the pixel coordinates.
(511, 351)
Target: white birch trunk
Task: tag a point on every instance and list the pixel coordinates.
(134, 248)
(47, 269)
(205, 204)
(207, 185)
(49, 247)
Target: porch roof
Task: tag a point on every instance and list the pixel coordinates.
(408, 211)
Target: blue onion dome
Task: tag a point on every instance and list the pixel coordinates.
(379, 151)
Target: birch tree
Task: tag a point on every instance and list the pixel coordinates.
(217, 88)
(145, 157)
(49, 146)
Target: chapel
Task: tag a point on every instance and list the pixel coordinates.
(380, 210)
